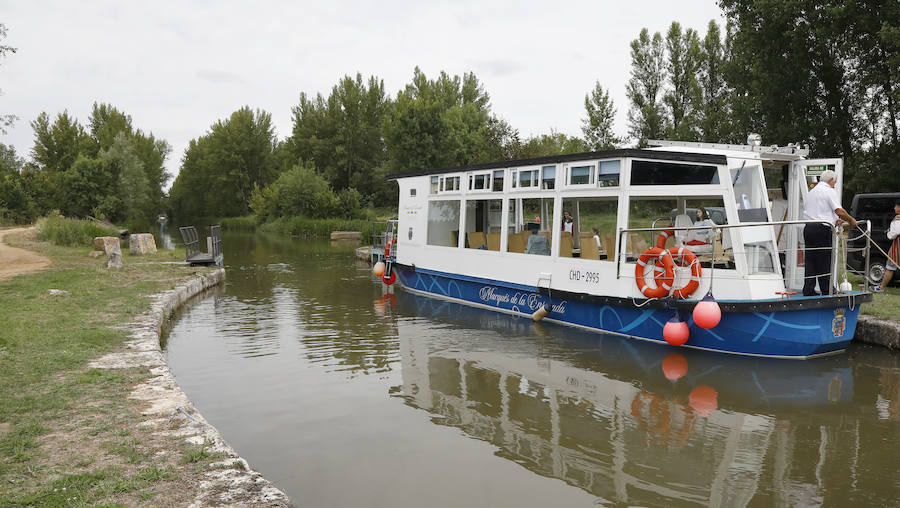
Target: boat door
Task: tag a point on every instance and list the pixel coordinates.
(803, 175)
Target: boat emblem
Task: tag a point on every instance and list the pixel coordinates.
(838, 323)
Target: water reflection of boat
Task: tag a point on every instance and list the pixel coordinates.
(608, 419)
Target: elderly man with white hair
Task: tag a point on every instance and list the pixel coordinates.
(822, 204)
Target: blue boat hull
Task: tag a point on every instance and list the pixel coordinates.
(793, 333)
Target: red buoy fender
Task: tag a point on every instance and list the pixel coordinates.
(663, 275)
(663, 236)
(387, 250)
(685, 257)
(389, 280)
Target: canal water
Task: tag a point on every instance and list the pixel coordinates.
(346, 396)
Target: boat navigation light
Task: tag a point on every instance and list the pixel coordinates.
(754, 139)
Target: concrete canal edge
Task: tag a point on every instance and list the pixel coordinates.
(881, 332)
(169, 412)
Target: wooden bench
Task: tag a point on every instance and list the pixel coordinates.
(192, 252)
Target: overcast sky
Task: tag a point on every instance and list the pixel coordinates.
(177, 67)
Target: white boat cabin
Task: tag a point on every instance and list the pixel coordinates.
(507, 221)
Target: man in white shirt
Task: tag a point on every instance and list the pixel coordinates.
(822, 204)
(893, 260)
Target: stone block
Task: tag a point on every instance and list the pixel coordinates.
(110, 245)
(346, 235)
(142, 243)
(98, 242)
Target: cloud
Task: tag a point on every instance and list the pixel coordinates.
(498, 68)
(220, 77)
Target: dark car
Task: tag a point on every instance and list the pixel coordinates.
(878, 208)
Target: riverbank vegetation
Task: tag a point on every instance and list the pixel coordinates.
(69, 434)
(830, 82)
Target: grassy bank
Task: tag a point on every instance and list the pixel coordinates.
(69, 435)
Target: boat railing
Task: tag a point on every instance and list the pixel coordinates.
(383, 232)
(840, 244)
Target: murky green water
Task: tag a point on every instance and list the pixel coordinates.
(345, 397)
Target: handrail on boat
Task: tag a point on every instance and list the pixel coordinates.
(835, 245)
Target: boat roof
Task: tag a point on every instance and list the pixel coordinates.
(680, 156)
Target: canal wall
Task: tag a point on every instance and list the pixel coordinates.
(169, 412)
(881, 332)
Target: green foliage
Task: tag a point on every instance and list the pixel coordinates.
(714, 114)
(72, 232)
(441, 123)
(554, 143)
(220, 169)
(246, 223)
(301, 192)
(342, 136)
(112, 171)
(133, 188)
(646, 116)
(683, 65)
(598, 125)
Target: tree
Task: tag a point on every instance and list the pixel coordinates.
(6, 120)
(342, 136)
(220, 169)
(645, 116)
(107, 123)
(713, 114)
(133, 189)
(682, 100)
(555, 143)
(597, 126)
(442, 122)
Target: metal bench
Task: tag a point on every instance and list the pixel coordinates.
(192, 252)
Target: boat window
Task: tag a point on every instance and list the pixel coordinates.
(608, 173)
(530, 219)
(525, 179)
(483, 223)
(582, 175)
(749, 194)
(670, 173)
(751, 199)
(449, 183)
(708, 244)
(434, 184)
(592, 231)
(646, 212)
(498, 181)
(443, 223)
(548, 177)
(480, 181)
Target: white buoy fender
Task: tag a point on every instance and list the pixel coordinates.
(542, 311)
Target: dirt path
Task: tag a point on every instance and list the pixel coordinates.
(15, 261)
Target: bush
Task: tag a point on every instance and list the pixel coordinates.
(301, 192)
(72, 232)
(246, 223)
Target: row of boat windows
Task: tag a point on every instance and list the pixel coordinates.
(597, 174)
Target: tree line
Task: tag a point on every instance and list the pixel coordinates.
(812, 72)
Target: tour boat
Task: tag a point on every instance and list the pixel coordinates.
(612, 241)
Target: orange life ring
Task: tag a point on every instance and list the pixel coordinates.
(685, 257)
(663, 236)
(663, 275)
